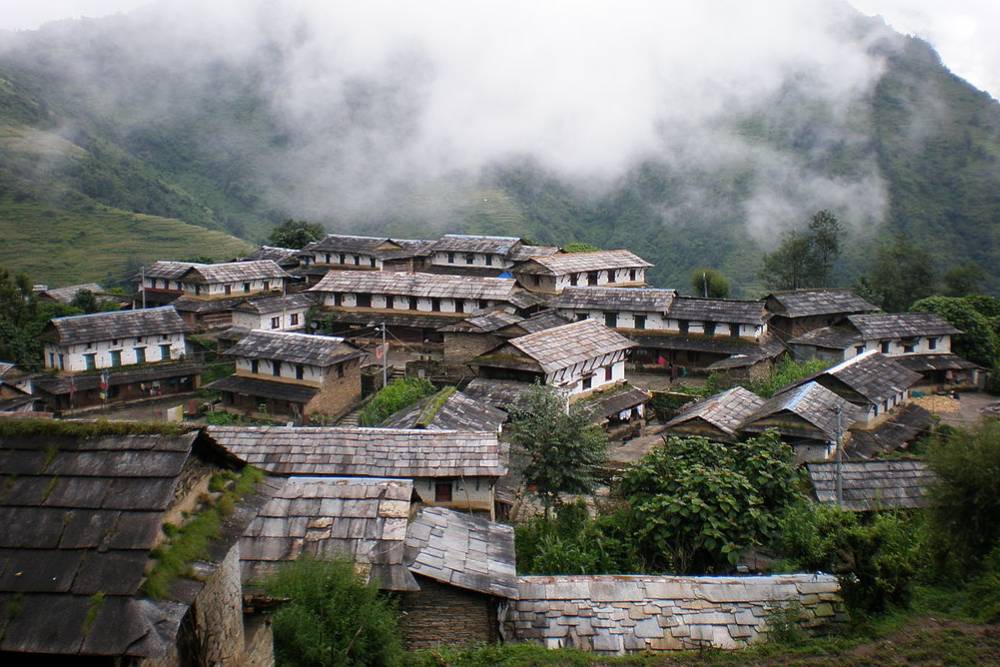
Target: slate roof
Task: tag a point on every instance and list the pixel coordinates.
(429, 285)
(365, 452)
(458, 412)
(525, 252)
(199, 306)
(904, 426)
(812, 302)
(497, 245)
(873, 375)
(498, 393)
(925, 363)
(232, 272)
(839, 337)
(483, 322)
(725, 411)
(295, 348)
(873, 485)
(901, 325)
(578, 262)
(770, 349)
(546, 319)
(61, 384)
(324, 518)
(607, 403)
(462, 550)
(265, 305)
(720, 344)
(638, 299)
(261, 387)
(348, 243)
(77, 329)
(812, 402)
(273, 253)
(570, 344)
(69, 292)
(402, 318)
(80, 517)
(717, 310)
(169, 269)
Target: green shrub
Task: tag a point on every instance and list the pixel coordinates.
(397, 395)
(784, 374)
(978, 341)
(333, 618)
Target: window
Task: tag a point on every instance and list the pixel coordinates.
(470, 258)
(734, 330)
(682, 325)
(357, 260)
(908, 347)
(116, 359)
(859, 349)
(164, 353)
(536, 280)
(489, 260)
(343, 258)
(371, 260)
(709, 328)
(573, 279)
(364, 300)
(640, 321)
(300, 372)
(91, 361)
(275, 322)
(138, 339)
(267, 285)
(197, 289)
(254, 366)
(588, 382)
(608, 373)
(52, 359)
(436, 305)
(90, 346)
(592, 278)
(114, 341)
(580, 317)
(275, 368)
(228, 289)
(337, 298)
(611, 320)
(140, 355)
(884, 346)
(483, 303)
(246, 287)
(293, 319)
(631, 275)
(442, 492)
(328, 258)
(459, 306)
(932, 343)
(340, 370)
(451, 258)
(413, 303)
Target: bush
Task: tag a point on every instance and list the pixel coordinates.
(876, 558)
(977, 342)
(397, 395)
(784, 374)
(333, 618)
(965, 514)
(697, 505)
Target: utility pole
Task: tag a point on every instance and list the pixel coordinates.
(385, 359)
(704, 282)
(142, 284)
(840, 457)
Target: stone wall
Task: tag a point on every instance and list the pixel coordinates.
(338, 395)
(218, 613)
(612, 614)
(443, 614)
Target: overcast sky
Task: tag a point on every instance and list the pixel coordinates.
(960, 30)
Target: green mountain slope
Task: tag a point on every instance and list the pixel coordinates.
(90, 123)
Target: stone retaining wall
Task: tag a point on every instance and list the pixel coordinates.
(613, 614)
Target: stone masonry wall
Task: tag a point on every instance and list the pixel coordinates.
(443, 614)
(612, 614)
(219, 613)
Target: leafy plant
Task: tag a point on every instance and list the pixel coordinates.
(296, 234)
(978, 342)
(395, 396)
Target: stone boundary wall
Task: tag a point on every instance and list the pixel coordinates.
(612, 614)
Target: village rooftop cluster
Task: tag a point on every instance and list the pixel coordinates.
(419, 503)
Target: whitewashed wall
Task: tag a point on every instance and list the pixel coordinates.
(265, 370)
(74, 356)
(285, 320)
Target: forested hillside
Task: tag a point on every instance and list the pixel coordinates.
(96, 133)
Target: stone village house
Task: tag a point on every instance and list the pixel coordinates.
(601, 268)
(141, 354)
(795, 312)
(462, 254)
(360, 253)
(292, 375)
(82, 516)
(273, 313)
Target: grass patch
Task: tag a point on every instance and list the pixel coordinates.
(32, 428)
(189, 542)
(433, 406)
(93, 609)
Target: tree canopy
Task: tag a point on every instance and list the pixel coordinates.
(900, 274)
(804, 258)
(977, 342)
(709, 283)
(296, 233)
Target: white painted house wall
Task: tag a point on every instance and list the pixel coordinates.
(570, 379)
(402, 303)
(345, 259)
(74, 357)
(478, 260)
(284, 320)
(265, 370)
(238, 288)
(896, 348)
(659, 322)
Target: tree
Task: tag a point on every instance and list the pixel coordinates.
(804, 258)
(710, 283)
(963, 280)
(901, 273)
(332, 618)
(22, 319)
(296, 233)
(978, 341)
(561, 448)
(579, 247)
(697, 504)
(85, 301)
